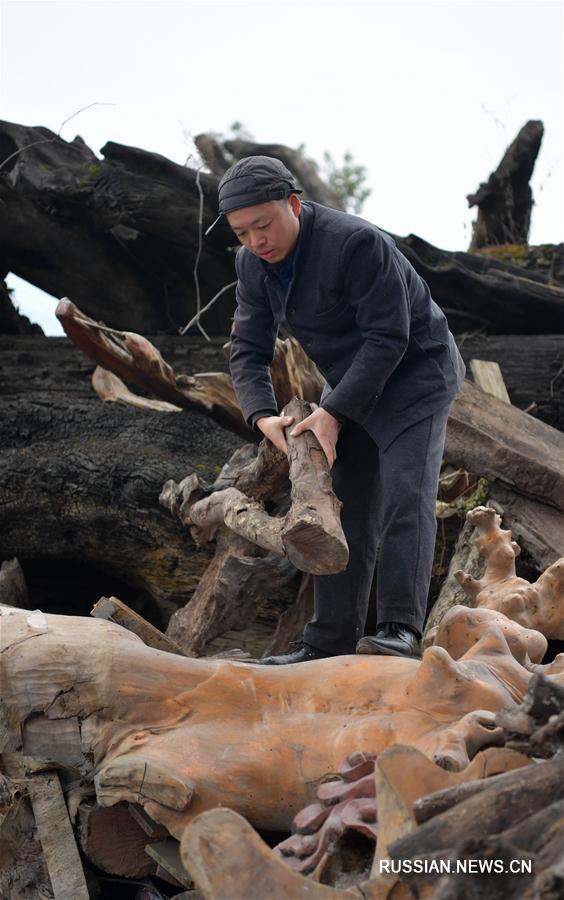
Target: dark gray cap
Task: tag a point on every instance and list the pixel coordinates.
(252, 180)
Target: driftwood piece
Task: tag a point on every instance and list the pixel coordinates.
(501, 442)
(155, 726)
(114, 610)
(309, 535)
(539, 606)
(57, 838)
(111, 389)
(487, 376)
(505, 201)
(226, 859)
(23, 870)
(134, 359)
(167, 855)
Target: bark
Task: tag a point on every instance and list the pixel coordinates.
(480, 292)
(505, 201)
(137, 216)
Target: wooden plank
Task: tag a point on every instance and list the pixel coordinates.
(57, 837)
(167, 855)
(115, 611)
(151, 828)
(487, 376)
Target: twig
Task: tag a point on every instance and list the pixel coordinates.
(50, 140)
(206, 307)
(556, 377)
(199, 253)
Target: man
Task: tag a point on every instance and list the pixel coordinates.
(340, 286)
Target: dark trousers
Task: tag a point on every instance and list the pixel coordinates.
(388, 501)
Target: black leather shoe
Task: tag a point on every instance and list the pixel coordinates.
(391, 639)
(303, 653)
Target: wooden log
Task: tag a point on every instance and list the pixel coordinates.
(525, 791)
(438, 802)
(500, 442)
(487, 376)
(226, 859)
(57, 838)
(312, 536)
(132, 263)
(115, 611)
(114, 841)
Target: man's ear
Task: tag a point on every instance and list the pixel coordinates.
(295, 205)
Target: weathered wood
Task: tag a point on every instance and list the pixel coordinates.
(57, 838)
(537, 527)
(498, 441)
(134, 359)
(466, 557)
(113, 840)
(312, 536)
(113, 609)
(110, 389)
(167, 855)
(487, 376)
(532, 367)
(132, 265)
(479, 292)
(438, 802)
(226, 859)
(505, 201)
(525, 791)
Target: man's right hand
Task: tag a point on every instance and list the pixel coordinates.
(273, 428)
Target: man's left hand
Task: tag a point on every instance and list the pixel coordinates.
(326, 429)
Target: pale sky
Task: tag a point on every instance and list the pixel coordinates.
(427, 95)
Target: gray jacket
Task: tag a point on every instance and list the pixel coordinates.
(362, 314)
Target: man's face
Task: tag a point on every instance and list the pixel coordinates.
(269, 230)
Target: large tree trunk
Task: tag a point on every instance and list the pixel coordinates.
(120, 237)
(506, 200)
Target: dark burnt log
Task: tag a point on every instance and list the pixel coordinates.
(505, 201)
(299, 166)
(120, 234)
(11, 321)
(480, 292)
(532, 367)
(80, 487)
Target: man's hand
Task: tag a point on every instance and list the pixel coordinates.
(273, 428)
(326, 429)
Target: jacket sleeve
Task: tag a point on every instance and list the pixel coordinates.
(375, 287)
(253, 338)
